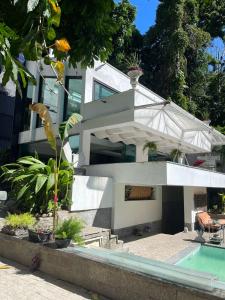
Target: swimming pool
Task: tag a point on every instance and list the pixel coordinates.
(208, 259)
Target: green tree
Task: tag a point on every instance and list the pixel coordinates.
(30, 27)
(127, 39)
(174, 60)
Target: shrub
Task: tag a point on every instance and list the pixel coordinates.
(70, 229)
(32, 183)
(20, 221)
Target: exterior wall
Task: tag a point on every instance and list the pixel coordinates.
(129, 214)
(93, 199)
(189, 206)
(91, 193)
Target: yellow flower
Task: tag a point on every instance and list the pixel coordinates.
(59, 67)
(62, 45)
(54, 6)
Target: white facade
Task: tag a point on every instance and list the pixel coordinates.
(110, 124)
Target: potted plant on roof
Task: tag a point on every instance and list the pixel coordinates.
(68, 230)
(151, 147)
(134, 69)
(176, 156)
(205, 117)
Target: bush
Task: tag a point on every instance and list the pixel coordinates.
(70, 229)
(20, 221)
(32, 184)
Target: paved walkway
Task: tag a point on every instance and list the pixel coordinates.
(18, 283)
(160, 246)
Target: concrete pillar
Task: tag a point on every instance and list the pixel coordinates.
(141, 155)
(189, 205)
(84, 149)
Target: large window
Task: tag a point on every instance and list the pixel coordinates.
(72, 101)
(49, 90)
(101, 91)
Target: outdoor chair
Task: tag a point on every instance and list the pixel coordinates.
(206, 224)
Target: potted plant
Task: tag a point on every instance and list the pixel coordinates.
(68, 230)
(18, 224)
(176, 155)
(134, 69)
(205, 117)
(39, 234)
(151, 147)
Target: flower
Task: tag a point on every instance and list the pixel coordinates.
(54, 7)
(62, 45)
(59, 67)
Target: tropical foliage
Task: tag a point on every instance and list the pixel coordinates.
(70, 229)
(64, 127)
(32, 183)
(24, 221)
(79, 31)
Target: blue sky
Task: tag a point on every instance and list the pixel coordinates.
(146, 12)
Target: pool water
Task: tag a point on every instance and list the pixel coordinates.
(206, 259)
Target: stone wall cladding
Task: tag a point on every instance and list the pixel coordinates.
(151, 227)
(100, 277)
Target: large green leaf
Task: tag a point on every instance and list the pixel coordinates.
(22, 191)
(29, 160)
(21, 177)
(41, 179)
(51, 181)
(36, 167)
(65, 126)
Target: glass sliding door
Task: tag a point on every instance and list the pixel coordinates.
(73, 101)
(48, 95)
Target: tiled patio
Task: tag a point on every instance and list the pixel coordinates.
(162, 247)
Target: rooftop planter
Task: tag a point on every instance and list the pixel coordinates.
(134, 70)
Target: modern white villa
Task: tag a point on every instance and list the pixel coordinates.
(116, 185)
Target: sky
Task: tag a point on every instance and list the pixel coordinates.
(146, 12)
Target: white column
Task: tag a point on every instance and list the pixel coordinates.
(141, 155)
(84, 149)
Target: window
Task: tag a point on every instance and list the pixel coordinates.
(101, 91)
(25, 122)
(48, 95)
(74, 141)
(72, 101)
(137, 193)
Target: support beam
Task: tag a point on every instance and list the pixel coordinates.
(84, 149)
(141, 156)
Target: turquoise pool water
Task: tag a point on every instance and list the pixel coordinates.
(206, 259)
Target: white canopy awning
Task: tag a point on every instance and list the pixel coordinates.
(164, 123)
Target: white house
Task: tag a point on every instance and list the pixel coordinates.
(108, 148)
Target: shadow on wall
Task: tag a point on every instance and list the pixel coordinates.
(92, 200)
